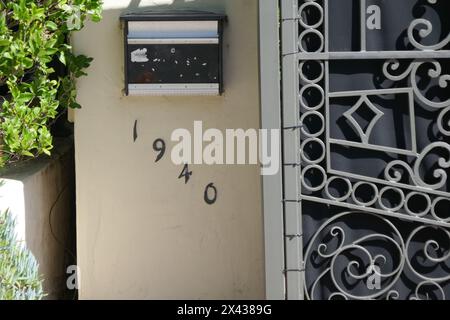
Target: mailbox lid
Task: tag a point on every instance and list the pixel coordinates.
(173, 24)
(173, 15)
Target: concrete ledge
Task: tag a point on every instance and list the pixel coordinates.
(40, 195)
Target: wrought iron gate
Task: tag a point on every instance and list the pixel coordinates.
(366, 153)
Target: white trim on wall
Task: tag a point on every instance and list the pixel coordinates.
(271, 119)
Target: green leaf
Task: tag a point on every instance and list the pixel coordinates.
(62, 58)
(26, 96)
(27, 63)
(51, 25)
(27, 153)
(75, 105)
(96, 17)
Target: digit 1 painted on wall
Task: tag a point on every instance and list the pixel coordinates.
(135, 132)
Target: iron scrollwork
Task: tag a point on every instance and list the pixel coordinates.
(418, 174)
(349, 265)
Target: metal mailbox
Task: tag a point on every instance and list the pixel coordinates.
(173, 53)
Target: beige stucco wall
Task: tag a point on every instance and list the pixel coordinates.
(141, 232)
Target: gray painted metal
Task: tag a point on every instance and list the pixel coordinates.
(296, 165)
(174, 41)
(271, 119)
(173, 29)
(291, 156)
(174, 89)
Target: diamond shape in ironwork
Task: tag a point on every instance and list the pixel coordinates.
(364, 133)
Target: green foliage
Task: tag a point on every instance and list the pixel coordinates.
(34, 37)
(19, 277)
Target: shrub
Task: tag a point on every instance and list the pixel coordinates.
(19, 277)
(34, 42)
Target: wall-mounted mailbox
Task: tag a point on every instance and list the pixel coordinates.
(173, 53)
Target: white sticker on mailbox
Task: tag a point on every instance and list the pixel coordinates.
(139, 55)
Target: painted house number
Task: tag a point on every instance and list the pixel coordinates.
(160, 147)
(373, 17)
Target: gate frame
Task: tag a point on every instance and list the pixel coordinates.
(279, 80)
